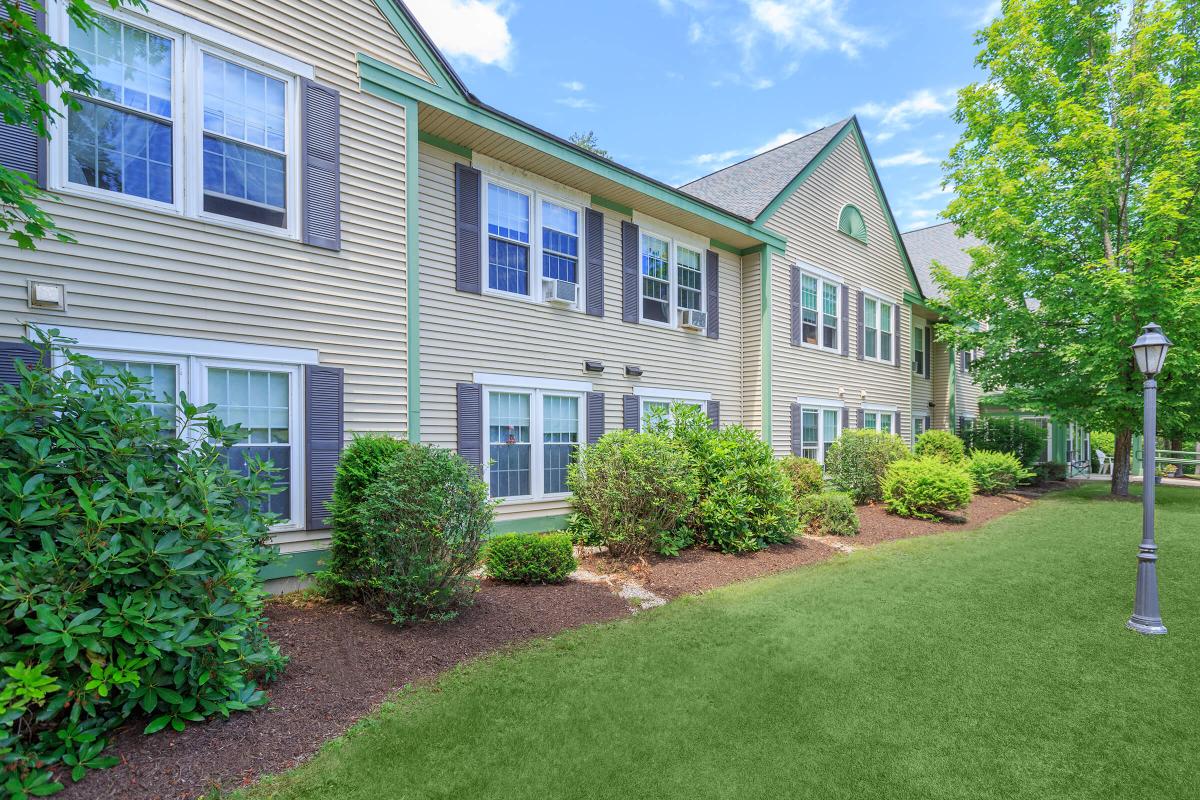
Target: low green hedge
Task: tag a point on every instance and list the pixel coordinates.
(530, 558)
(940, 444)
(995, 473)
(925, 488)
(828, 514)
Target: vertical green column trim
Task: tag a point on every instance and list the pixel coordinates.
(952, 405)
(412, 277)
(766, 322)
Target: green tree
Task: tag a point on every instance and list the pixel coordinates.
(29, 60)
(588, 141)
(1079, 167)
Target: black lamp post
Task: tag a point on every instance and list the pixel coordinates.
(1150, 350)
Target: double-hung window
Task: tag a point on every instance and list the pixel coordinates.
(672, 279)
(180, 123)
(919, 355)
(879, 420)
(660, 410)
(819, 311)
(819, 429)
(530, 236)
(532, 437)
(920, 425)
(877, 329)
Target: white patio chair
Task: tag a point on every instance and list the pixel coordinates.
(1105, 463)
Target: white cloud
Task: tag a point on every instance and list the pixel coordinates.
(937, 190)
(711, 162)
(695, 32)
(472, 29)
(573, 86)
(805, 25)
(913, 158)
(581, 103)
(900, 115)
(989, 13)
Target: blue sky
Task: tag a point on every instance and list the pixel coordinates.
(680, 88)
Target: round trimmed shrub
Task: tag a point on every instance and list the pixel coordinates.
(129, 562)
(940, 444)
(747, 502)
(423, 522)
(828, 514)
(994, 473)
(358, 467)
(856, 462)
(631, 492)
(530, 558)
(805, 474)
(925, 488)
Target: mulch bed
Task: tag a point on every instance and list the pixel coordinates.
(343, 664)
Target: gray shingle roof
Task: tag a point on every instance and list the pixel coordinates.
(748, 187)
(943, 244)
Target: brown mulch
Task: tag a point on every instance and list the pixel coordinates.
(343, 664)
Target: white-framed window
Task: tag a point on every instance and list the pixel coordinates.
(920, 425)
(657, 405)
(186, 119)
(919, 356)
(672, 279)
(820, 426)
(820, 311)
(877, 329)
(533, 435)
(530, 235)
(258, 387)
(879, 418)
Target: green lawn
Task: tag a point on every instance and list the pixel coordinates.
(990, 664)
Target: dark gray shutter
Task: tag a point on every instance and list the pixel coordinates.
(896, 333)
(324, 432)
(630, 255)
(320, 170)
(595, 416)
(631, 412)
(961, 357)
(845, 418)
(928, 351)
(468, 255)
(713, 410)
(594, 291)
(794, 304)
(797, 429)
(712, 286)
(845, 324)
(12, 352)
(862, 418)
(899, 423)
(862, 332)
(470, 422)
(21, 149)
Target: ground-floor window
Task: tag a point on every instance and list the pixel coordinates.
(532, 437)
(920, 425)
(260, 396)
(657, 405)
(879, 419)
(819, 429)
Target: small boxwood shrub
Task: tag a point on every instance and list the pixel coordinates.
(940, 444)
(856, 462)
(828, 514)
(359, 466)
(129, 561)
(994, 473)
(423, 521)
(805, 475)
(747, 502)
(632, 493)
(530, 558)
(925, 488)
(1009, 435)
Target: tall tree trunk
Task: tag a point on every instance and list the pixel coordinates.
(1120, 471)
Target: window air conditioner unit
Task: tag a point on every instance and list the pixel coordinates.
(559, 293)
(691, 320)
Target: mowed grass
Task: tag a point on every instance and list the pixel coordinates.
(987, 664)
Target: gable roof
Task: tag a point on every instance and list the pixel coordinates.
(748, 187)
(939, 243)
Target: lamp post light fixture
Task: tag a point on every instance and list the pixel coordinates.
(1150, 350)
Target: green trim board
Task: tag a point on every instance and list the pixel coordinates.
(391, 83)
(445, 144)
(611, 205)
(850, 128)
(765, 323)
(554, 522)
(418, 42)
(289, 565)
(952, 354)
(412, 267)
(716, 244)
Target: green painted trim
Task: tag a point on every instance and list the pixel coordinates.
(611, 205)
(758, 248)
(305, 562)
(803, 174)
(445, 144)
(765, 324)
(412, 269)
(391, 83)
(952, 405)
(444, 79)
(728, 248)
(554, 522)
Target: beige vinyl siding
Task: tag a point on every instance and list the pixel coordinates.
(922, 387)
(463, 333)
(809, 220)
(752, 361)
(942, 366)
(966, 396)
(147, 272)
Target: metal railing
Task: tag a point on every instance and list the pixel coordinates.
(1178, 458)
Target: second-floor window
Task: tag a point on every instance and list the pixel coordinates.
(672, 279)
(529, 237)
(819, 312)
(918, 350)
(877, 329)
